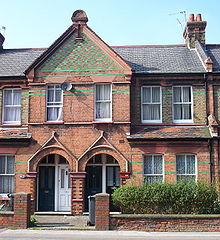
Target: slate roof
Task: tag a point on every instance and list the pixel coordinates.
(13, 62)
(169, 132)
(142, 59)
(161, 59)
(214, 52)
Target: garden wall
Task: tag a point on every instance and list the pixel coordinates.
(165, 223)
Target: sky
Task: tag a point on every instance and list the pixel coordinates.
(38, 23)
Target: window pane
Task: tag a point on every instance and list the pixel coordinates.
(16, 96)
(186, 178)
(6, 184)
(146, 94)
(186, 94)
(54, 113)
(10, 165)
(148, 165)
(50, 94)
(177, 94)
(153, 179)
(177, 111)
(2, 165)
(12, 114)
(190, 164)
(180, 164)
(102, 110)
(8, 97)
(158, 168)
(186, 111)
(155, 94)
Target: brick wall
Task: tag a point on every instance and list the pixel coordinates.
(102, 212)
(169, 151)
(166, 223)
(20, 218)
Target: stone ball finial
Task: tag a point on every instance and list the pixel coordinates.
(79, 17)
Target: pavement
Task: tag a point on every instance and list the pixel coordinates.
(26, 234)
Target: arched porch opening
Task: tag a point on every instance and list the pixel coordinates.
(53, 185)
(102, 175)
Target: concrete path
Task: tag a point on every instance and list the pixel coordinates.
(103, 235)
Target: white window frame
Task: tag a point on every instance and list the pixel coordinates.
(185, 174)
(142, 104)
(151, 175)
(59, 104)
(102, 101)
(8, 106)
(7, 174)
(176, 103)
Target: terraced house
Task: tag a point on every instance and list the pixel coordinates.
(81, 117)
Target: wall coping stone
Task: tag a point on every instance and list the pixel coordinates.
(164, 216)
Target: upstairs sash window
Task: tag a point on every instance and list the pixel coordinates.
(12, 106)
(103, 102)
(182, 104)
(151, 104)
(54, 103)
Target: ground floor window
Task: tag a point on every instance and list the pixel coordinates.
(6, 174)
(153, 168)
(186, 167)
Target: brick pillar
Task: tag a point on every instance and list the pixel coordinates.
(102, 217)
(33, 189)
(22, 210)
(77, 192)
(124, 177)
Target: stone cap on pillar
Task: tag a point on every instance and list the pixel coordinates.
(78, 174)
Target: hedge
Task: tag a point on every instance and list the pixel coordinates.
(158, 198)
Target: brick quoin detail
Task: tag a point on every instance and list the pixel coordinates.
(102, 212)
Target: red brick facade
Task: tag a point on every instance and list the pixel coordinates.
(82, 138)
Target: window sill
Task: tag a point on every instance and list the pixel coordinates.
(11, 125)
(102, 122)
(53, 123)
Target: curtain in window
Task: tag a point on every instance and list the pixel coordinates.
(153, 168)
(6, 184)
(185, 167)
(182, 103)
(103, 101)
(12, 105)
(6, 174)
(151, 103)
(54, 103)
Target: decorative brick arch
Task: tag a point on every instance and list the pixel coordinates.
(103, 149)
(37, 157)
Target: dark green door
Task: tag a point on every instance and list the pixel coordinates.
(46, 188)
(93, 181)
(112, 183)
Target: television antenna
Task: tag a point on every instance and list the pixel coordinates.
(177, 13)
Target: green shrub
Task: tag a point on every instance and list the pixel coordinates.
(179, 198)
(32, 221)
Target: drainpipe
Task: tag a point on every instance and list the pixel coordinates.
(210, 159)
(210, 144)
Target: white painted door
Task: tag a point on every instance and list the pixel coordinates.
(64, 193)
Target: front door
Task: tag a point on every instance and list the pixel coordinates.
(46, 188)
(93, 182)
(64, 191)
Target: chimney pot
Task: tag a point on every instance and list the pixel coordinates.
(198, 17)
(191, 17)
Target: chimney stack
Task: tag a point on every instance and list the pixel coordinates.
(194, 30)
(2, 39)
